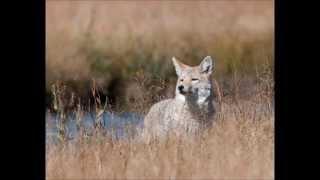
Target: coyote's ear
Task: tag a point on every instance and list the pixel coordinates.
(178, 65)
(206, 65)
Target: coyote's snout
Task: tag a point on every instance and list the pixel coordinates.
(191, 110)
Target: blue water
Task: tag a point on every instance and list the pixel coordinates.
(114, 124)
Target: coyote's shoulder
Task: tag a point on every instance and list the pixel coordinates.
(192, 107)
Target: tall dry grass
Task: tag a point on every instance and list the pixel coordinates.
(239, 146)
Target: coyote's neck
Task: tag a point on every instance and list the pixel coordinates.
(199, 107)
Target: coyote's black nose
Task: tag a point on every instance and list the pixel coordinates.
(180, 88)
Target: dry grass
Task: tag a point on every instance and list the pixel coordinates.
(239, 146)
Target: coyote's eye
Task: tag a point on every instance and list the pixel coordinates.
(181, 80)
(195, 79)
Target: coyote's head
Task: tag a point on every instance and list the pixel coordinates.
(194, 82)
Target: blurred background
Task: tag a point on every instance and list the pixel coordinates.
(126, 47)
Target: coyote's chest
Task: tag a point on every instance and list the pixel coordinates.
(182, 117)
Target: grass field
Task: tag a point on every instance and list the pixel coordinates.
(125, 48)
(239, 146)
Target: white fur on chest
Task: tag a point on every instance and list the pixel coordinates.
(181, 98)
(179, 117)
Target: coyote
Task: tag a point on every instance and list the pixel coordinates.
(192, 108)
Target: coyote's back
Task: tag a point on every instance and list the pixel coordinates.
(191, 110)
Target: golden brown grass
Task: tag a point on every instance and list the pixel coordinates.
(239, 146)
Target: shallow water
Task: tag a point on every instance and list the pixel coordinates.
(114, 124)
